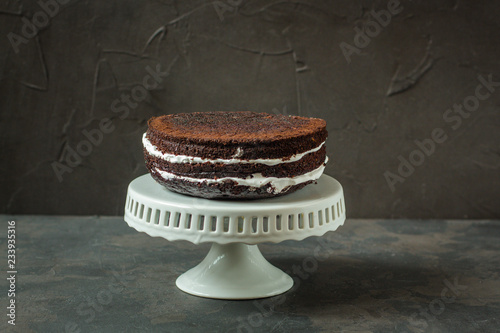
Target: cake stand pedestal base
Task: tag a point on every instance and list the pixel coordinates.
(234, 271)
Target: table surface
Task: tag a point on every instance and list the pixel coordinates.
(95, 274)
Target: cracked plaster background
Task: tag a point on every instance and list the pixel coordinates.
(266, 56)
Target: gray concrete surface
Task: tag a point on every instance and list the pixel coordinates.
(395, 86)
(95, 274)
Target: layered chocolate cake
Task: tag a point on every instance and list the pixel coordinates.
(235, 155)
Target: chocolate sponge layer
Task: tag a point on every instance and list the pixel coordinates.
(241, 170)
(220, 134)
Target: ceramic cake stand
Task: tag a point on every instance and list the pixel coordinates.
(234, 267)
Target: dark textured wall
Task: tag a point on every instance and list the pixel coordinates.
(408, 81)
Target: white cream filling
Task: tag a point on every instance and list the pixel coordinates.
(152, 150)
(256, 180)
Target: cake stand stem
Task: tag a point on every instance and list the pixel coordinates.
(234, 271)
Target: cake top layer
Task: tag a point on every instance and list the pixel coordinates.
(234, 126)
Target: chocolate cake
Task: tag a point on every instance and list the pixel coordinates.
(235, 155)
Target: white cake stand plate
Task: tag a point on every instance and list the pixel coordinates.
(234, 267)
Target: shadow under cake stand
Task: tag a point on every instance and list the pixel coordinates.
(234, 267)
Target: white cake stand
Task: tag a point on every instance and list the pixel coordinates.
(234, 267)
